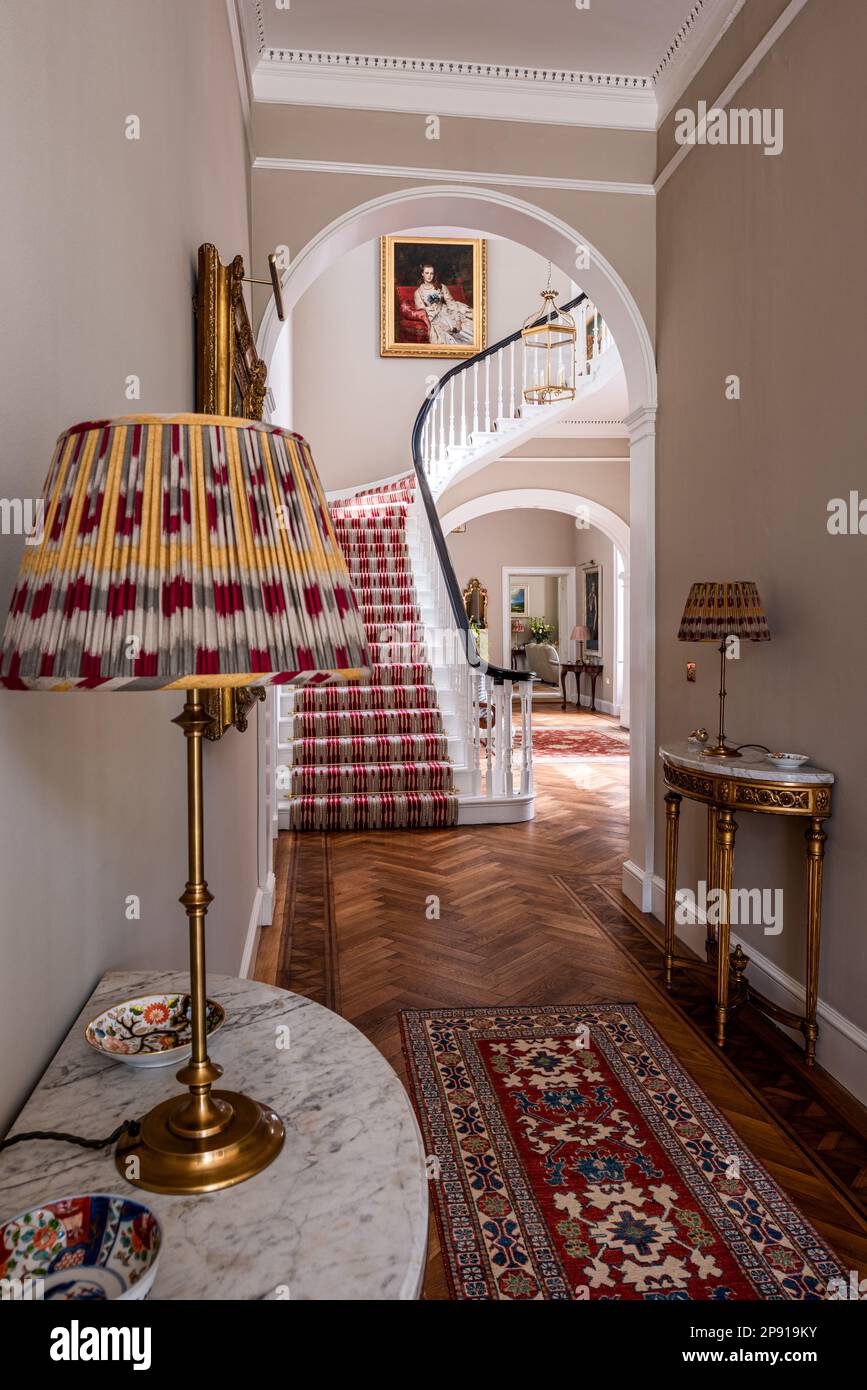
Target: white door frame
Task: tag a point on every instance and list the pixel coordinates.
(497, 213)
(567, 646)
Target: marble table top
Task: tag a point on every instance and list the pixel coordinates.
(341, 1213)
(756, 769)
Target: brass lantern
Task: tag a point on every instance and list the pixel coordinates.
(549, 336)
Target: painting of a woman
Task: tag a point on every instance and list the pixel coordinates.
(450, 320)
(433, 294)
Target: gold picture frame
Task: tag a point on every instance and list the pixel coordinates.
(458, 288)
(231, 379)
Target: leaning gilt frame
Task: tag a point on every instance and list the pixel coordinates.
(230, 380)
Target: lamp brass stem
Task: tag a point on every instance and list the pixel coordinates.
(205, 1139)
(721, 749)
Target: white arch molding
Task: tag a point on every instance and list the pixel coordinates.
(500, 214)
(572, 504)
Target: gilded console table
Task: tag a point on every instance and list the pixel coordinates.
(727, 785)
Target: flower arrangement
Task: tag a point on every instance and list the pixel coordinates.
(542, 631)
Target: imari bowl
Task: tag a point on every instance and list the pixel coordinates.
(788, 759)
(96, 1246)
(153, 1031)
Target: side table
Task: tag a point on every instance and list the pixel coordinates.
(341, 1213)
(741, 784)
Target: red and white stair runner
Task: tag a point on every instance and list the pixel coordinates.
(374, 755)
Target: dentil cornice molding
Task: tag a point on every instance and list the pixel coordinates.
(461, 87)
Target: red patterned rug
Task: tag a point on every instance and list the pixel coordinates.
(574, 1159)
(568, 742)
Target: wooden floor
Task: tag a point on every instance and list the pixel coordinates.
(533, 914)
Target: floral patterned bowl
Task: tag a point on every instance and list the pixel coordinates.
(152, 1031)
(96, 1246)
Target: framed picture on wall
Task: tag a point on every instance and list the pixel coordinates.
(518, 599)
(593, 610)
(433, 296)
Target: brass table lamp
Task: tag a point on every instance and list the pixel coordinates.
(714, 612)
(188, 552)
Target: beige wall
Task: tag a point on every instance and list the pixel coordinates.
(483, 146)
(335, 328)
(746, 31)
(99, 244)
(290, 207)
(516, 538)
(754, 253)
(604, 477)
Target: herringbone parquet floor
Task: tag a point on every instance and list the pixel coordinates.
(372, 923)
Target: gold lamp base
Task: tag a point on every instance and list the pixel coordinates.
(720, 750)
(161, 1159)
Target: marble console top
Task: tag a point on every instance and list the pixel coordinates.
(341, 1213)
(756, 769)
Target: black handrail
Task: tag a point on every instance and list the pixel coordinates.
(453, 588)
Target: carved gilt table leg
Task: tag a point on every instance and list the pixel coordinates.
(710, 940)
(815, 837)
(725, 855)
(672, 824)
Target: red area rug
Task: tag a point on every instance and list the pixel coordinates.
(576, 743)
(575, 1159)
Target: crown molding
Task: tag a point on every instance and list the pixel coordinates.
(493, 91)
(484, 91)
(398, 171)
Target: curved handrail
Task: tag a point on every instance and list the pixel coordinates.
(453, 588)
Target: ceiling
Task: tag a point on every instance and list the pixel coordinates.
(611, 36)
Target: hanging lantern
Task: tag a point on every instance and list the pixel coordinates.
(549, 336)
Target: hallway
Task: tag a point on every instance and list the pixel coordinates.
(533, 914)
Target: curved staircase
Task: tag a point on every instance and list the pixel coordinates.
(427, 740)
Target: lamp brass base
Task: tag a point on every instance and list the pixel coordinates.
(720, 750)
(160, 1159)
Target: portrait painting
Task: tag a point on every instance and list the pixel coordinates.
(432, 297)
(593, 611)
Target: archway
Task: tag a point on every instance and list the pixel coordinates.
(589, 513)
(500, 214)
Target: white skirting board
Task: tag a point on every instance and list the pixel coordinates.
(260, 916)
(842, 1045)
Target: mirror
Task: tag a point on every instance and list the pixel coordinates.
(476, 603)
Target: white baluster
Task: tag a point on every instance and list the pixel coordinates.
(488, 395)
(526, 738)
(451, 412)
(489, 736)
(500, 385)
(475, 716)
(441, 450)
(475, 398)
(463, 408)
(508, 782)
(511, 381)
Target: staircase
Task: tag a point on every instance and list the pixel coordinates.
(372, 755)
(427, 741)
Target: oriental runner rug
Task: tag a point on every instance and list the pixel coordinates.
(573, 1158)
(550, 742)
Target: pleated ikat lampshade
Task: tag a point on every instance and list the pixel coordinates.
(181, 552)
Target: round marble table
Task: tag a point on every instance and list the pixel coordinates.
(341, 1213)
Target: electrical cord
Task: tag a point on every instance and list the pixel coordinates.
(752, 745)
(128, 1127)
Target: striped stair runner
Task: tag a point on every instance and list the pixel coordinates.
(373, 755)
